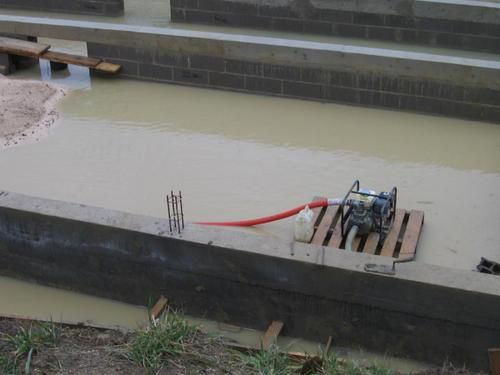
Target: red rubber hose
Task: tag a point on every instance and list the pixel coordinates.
(268, 219)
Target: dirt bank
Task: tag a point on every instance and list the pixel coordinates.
(26, 110)
(169, 347)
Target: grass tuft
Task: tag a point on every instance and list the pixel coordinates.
(8, 365)
(32, 339)
(331, 365)
(163, 340)
(268, 362)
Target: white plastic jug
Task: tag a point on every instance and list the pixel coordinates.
(304, 226)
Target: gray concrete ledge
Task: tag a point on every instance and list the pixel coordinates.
(108, 8)
(470, 25)
(424, 312)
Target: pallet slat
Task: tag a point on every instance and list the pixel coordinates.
(412, 234)
(22, 47)
(66, 58)
(317, 211)
(324, 227)
(392, 237)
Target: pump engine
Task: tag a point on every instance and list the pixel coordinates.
(367, 211)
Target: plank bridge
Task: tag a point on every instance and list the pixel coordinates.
(35, 50)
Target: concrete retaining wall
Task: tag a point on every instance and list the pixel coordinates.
(93, 7)
(462, 24)
(336, 83)
(380, 77)
(424, 312)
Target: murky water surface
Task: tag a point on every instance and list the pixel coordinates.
(123, 144)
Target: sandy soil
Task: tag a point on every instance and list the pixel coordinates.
(26, 110)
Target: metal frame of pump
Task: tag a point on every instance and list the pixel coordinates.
(368, 212)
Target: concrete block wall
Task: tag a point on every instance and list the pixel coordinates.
(362, 87)
(457, 24)
(92, 7)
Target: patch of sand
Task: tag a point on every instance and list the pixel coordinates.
(26, 110)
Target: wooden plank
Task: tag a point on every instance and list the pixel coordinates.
(106, 67)
(412, 234)
(159, 307)
(371, 243)
(317, 211)
(271, 334)
(336, 238)
(22, 47)
(392, 237)
(494, 355)
(328, 345)
(66, 58)
(324, 226)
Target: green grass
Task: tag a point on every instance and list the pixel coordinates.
(268, 362)
(164, 339)
(275, 362)
(33, 338)
(27, 342)
(331, 365)
(8, 366)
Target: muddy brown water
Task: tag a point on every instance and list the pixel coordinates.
(123, 144)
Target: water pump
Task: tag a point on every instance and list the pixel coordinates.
(367, 212)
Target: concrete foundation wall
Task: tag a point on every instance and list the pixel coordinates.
(462, 24)
(424, 312)
(93, 7)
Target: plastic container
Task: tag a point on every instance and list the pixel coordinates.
(304, 225)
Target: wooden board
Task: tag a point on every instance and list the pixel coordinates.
(391, 240)
(324, 227)
(271, 334)
(317, 211)
(336, 238)
(159, 306)
(106, 67)
(494, 355)
(22, 47)
(66, 58)
(412, 234)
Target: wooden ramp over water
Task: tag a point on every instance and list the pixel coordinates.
(401, 241)
(41, 51)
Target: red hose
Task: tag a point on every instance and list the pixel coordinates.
(268, 219)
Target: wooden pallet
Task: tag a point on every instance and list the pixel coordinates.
(401, 241)
(41, 51)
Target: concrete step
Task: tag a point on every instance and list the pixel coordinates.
(422, 81)
(463, 24)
